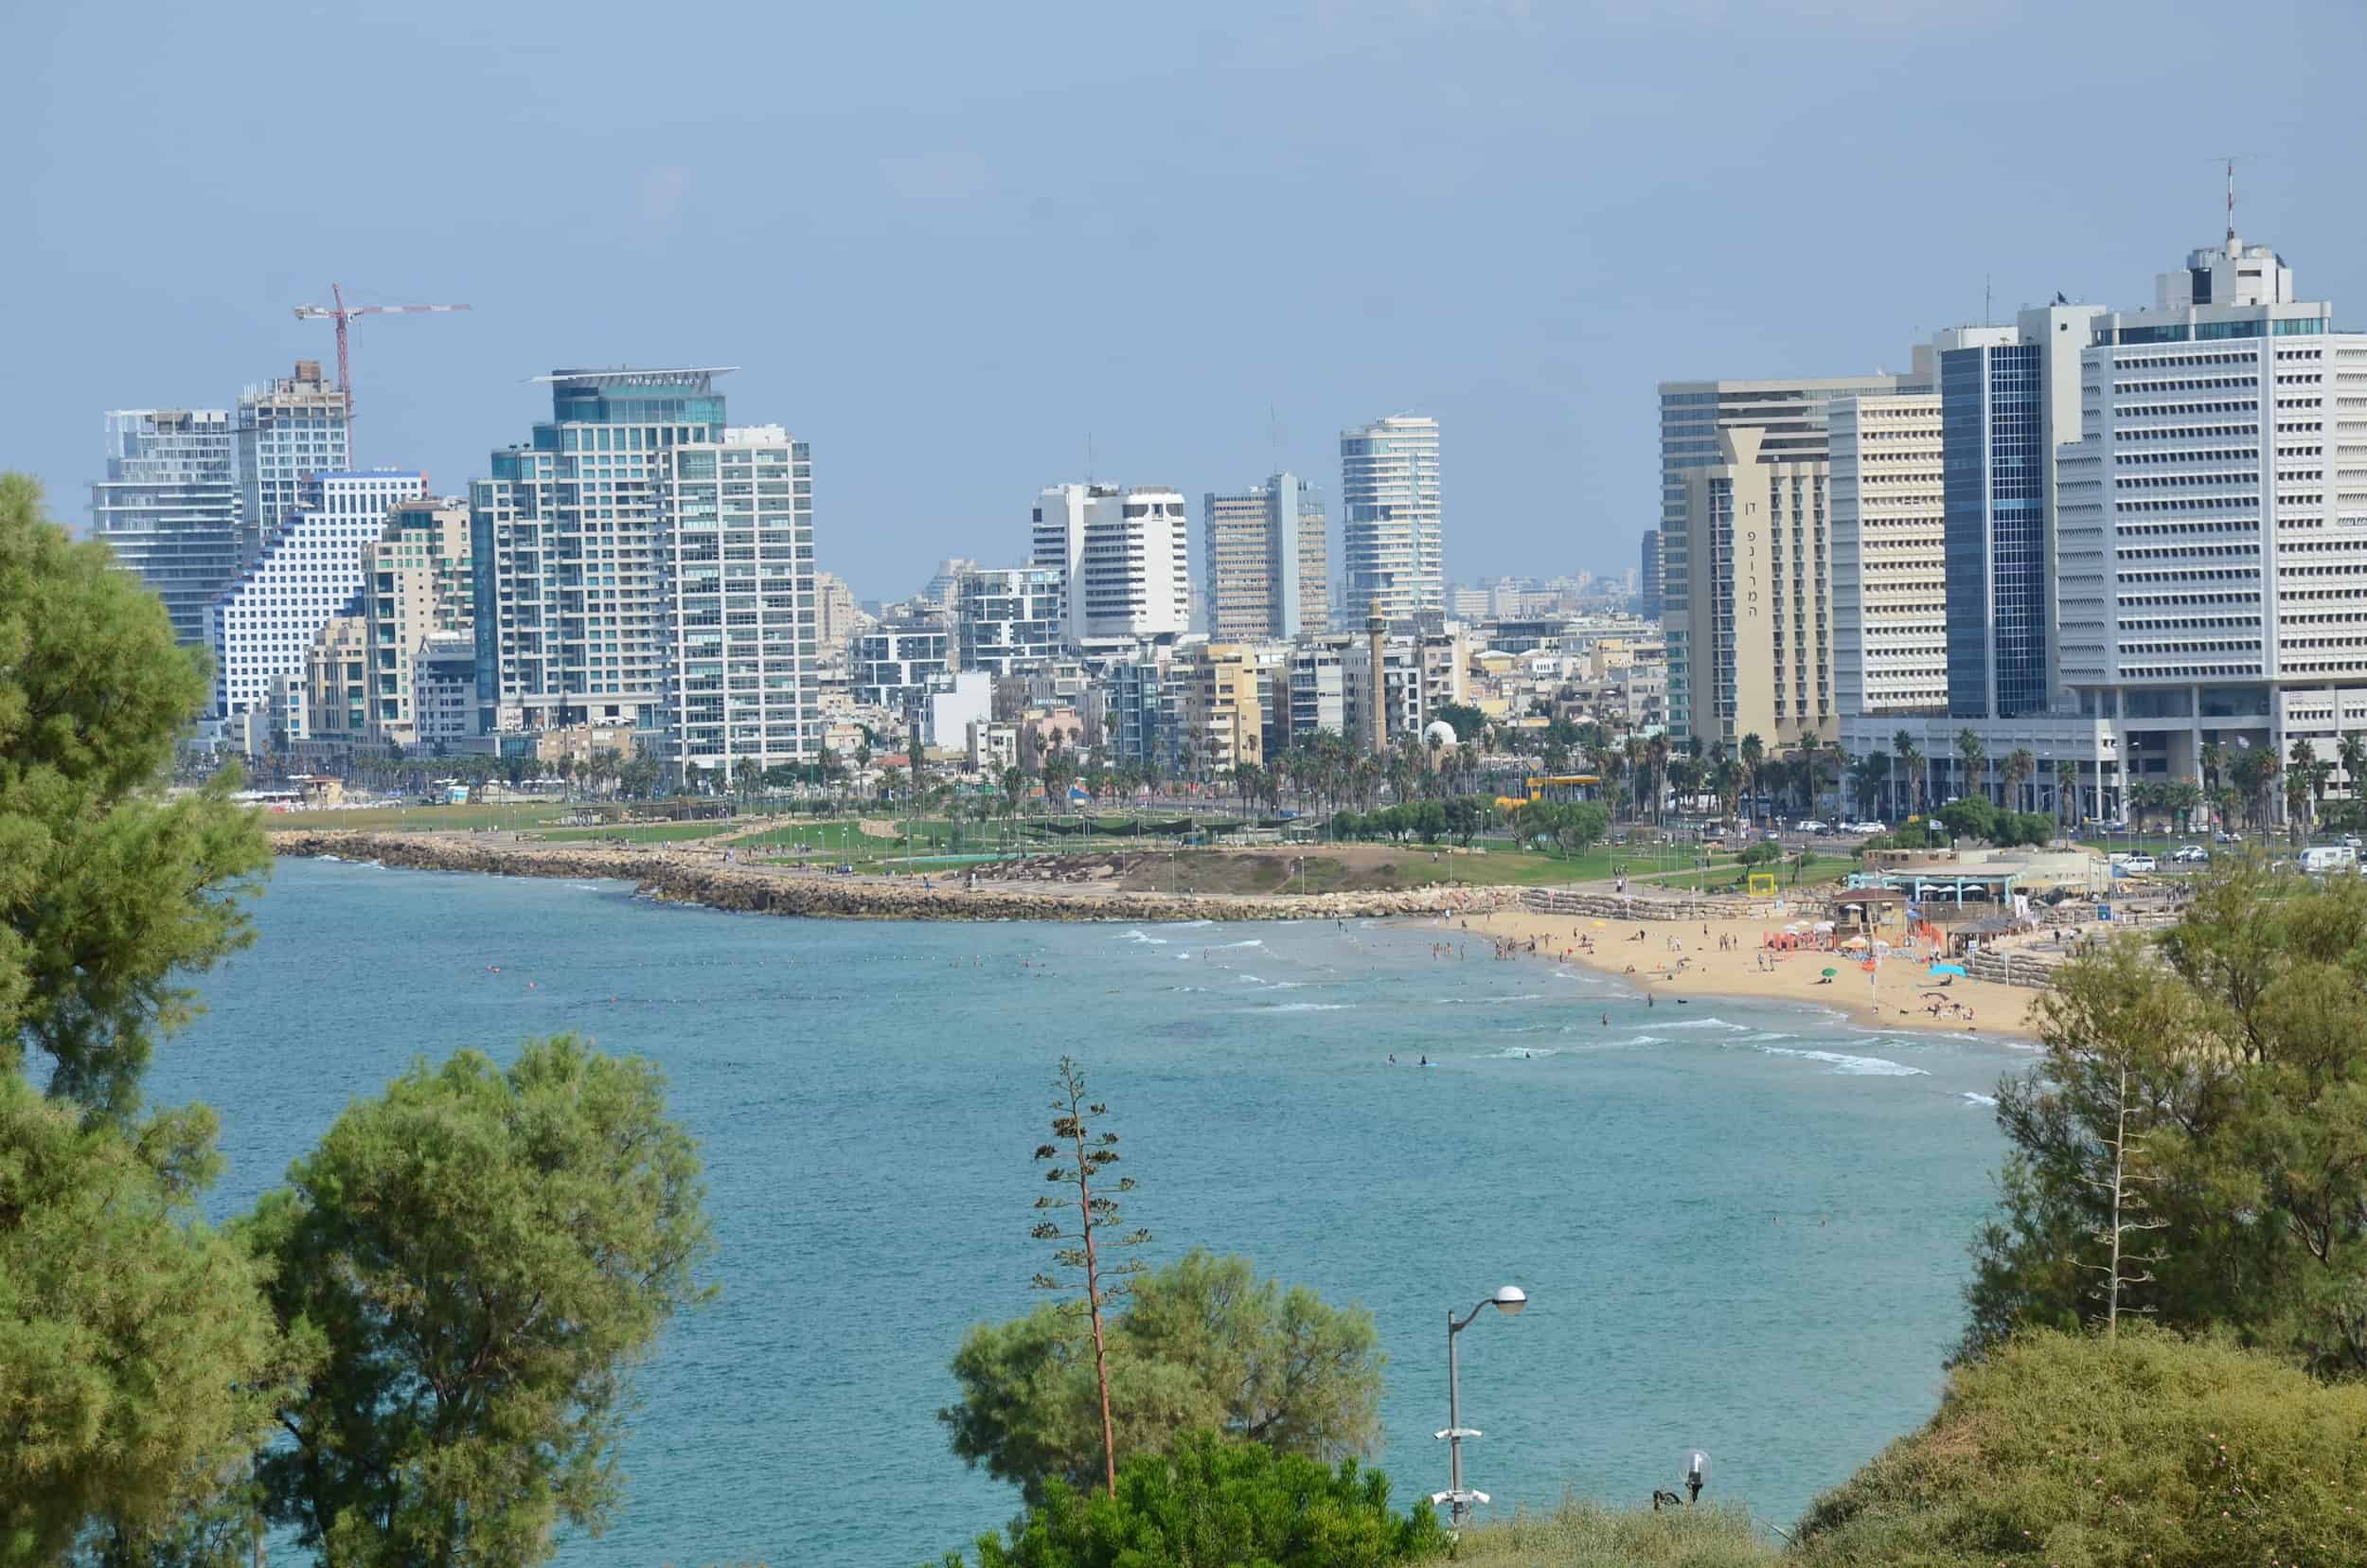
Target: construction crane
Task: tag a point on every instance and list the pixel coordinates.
(342, 314)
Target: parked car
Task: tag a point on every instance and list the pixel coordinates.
(2139, 865)
(2223, 836)
(2351, 840)
(1868, 829)
(2192, 854)
(1809, 824)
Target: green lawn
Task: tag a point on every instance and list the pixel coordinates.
(419, 818)
(638, 832)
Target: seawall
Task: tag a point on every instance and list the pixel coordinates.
(701, 877)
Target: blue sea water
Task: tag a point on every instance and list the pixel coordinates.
(1742, 1227)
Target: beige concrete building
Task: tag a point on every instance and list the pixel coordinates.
(1218, 712)
(1755, 617)
(584, 744)
(837, 617)
(1267, 565)
(416, 583)
(1889, 555)
(336, 682)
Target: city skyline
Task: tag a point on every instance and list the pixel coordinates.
(1537, 348)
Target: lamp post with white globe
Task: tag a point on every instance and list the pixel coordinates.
(1509, 1300)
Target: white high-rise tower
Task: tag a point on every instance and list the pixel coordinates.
(1393, 544)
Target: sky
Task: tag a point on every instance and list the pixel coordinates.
(968, 251)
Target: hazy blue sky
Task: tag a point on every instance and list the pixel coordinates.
(946, 242)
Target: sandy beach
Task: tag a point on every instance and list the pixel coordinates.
(1894, 998)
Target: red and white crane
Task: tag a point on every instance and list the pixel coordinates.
(342, 314)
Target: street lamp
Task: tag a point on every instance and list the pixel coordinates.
(1509, 1300)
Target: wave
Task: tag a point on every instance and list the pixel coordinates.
(1140, 937)
(1303, 1007)
(1850, 1066)
(1979, 1099)
(1253, 941)
(1710, 1024)
(1187, 925)
(1517, 1053)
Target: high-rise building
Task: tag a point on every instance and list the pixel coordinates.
(1648, 581)
(2203, 539)
(288, 432)
(2212, 537)
(1889, 556)
(417, 586)
(311, 569)
(169, 507)
(1126, 553)
(2009, 396)
(1390, 536)
(566, 539)
(740, 684)
(891, 663)
(837, 617)
(1789, 416)
(1010, 618)
(1266, 562)
(1753, 612)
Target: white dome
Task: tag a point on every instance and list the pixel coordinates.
(1440, 731)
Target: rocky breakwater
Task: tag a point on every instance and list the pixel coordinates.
(702, 876)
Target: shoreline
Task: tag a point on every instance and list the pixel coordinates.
(703, 878)
(1897, 1003)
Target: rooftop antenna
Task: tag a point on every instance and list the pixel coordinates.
(1273, 433)
(2231, 160)
(1089, 456)
(1986, 318)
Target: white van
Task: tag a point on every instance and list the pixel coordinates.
(2322, 858)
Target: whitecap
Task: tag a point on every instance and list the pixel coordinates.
(1851, 1066)
(1517, 1053)
(1709, 1023)
(1187, 925)
(1303, 1007)
(1140, 937)
(1253, 941)
(1979, 1099)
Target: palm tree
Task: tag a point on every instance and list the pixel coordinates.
(1910, 766)
(1753, 754)
(1656, 763)
(2067, 789)
(1971, 752)
(2351, 750)
(2304, 760)
(2020, 767)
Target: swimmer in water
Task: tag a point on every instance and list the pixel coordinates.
(1393, 1058)
(1426, 1061)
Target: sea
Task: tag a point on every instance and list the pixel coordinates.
(1743, 1228)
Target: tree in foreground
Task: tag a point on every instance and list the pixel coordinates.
(2145, 1448)
(474, 1260)
(108, 892)
(1096, 1228)
(1211, 1502)
(1203, 1345)
(2238, 1063)
(137, 1359)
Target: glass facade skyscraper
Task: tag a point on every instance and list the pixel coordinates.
(1995, 474)
(169, 509)
(637, 562)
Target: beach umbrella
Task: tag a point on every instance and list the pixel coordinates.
(1823, 925)
(1598, 925)
(1854, 942)
(1880, 945)
(1829, 973)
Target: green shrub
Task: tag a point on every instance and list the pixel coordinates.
(1208, 1502)
(1588, 1535)
(2074, 1449)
